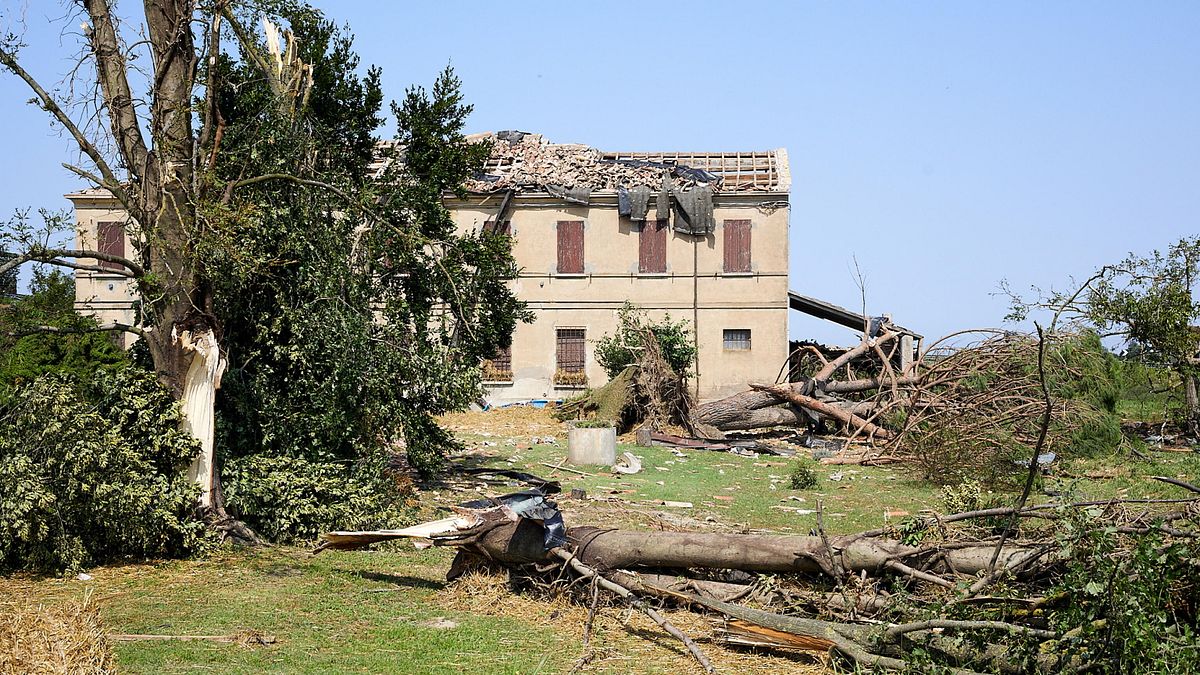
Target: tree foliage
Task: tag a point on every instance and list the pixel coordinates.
(94, 471)
(353, 310)
(623, 347)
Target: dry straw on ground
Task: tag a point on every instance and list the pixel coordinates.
(66, 637)
(622, 640)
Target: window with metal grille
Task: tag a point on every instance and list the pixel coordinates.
(737, 245)
(499, 367)
(110, 239)
(652, 247)
(571, 352)
(505, 227)
(570, 247)
(737, 338)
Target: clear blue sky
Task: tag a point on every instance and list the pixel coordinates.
(945, 146)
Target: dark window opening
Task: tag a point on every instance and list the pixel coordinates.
(570, 356)
(652, 247)
(110, 239)
(737, 245)
(737, 338)
(499, 367)
(570, 247)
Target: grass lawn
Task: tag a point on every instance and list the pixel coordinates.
(391, 612)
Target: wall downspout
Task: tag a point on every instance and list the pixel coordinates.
(696, 309)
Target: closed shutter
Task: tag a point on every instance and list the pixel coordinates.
(652, 247)
(570, 352)
(737, 245)
(570, 247)
(110, 239)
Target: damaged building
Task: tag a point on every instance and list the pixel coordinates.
(701, 236)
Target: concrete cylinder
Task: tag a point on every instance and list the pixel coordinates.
(591, 445)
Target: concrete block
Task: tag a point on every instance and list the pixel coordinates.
(592, 446)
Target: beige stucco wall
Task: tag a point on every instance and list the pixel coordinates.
(693, 288)
(710, 299)
(107, 296)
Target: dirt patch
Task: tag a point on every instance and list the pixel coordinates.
(518, 423)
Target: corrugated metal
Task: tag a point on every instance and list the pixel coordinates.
(110, 239)
(652, 247)
(570, 247)
(737, 245)
(571, 349)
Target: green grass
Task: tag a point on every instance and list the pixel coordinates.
(735, 490)
(367, 612)
(333, 613)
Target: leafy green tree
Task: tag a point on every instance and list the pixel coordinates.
(621, 349)
(336, 292)
(1147, 300)
(353, 310)
(42, 333)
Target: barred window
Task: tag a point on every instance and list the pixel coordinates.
(571, 353)
(499, 367)
(737, 338)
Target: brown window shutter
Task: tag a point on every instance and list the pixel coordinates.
(110, 239)
(571, 349)
(570, 247)
(737, 245)
(652, 247)
(504, 228)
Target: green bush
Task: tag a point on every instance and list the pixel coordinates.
(802, 477)
(616, 352)
(296, 499)
(94, 471)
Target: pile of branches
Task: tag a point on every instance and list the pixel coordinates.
(955, 412)
(1063, 587)
(648, 392)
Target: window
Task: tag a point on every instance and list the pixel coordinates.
(110, 239)
(570, 356)
(499, 367)
(504, 228)
(737, 338)
(737, 245)
(652, 247)
(570, 247)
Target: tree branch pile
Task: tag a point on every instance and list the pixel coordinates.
(957, 411)
(946, 591)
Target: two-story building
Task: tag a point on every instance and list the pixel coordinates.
(696, 236)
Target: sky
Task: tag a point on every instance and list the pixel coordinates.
(940, 148)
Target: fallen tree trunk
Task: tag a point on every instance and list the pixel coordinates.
(727, 417)
(522, 542)
(855, 422)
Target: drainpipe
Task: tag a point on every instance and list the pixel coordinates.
(696, 308)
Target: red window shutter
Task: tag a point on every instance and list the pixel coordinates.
(737, 245)
(652, 247)
(570, 247)
(110, 239)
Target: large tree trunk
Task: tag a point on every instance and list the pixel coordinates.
(522, 542)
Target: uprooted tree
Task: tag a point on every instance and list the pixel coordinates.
(231, 148)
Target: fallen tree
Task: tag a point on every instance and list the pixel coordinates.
(944, 564)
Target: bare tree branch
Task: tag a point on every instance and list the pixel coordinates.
(54, 257)
(79, 330)
(114, 83)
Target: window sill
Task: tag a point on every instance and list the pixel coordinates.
(652, 275)
(571, 386)
(737, 274)
(570, 275)
(497, 383)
